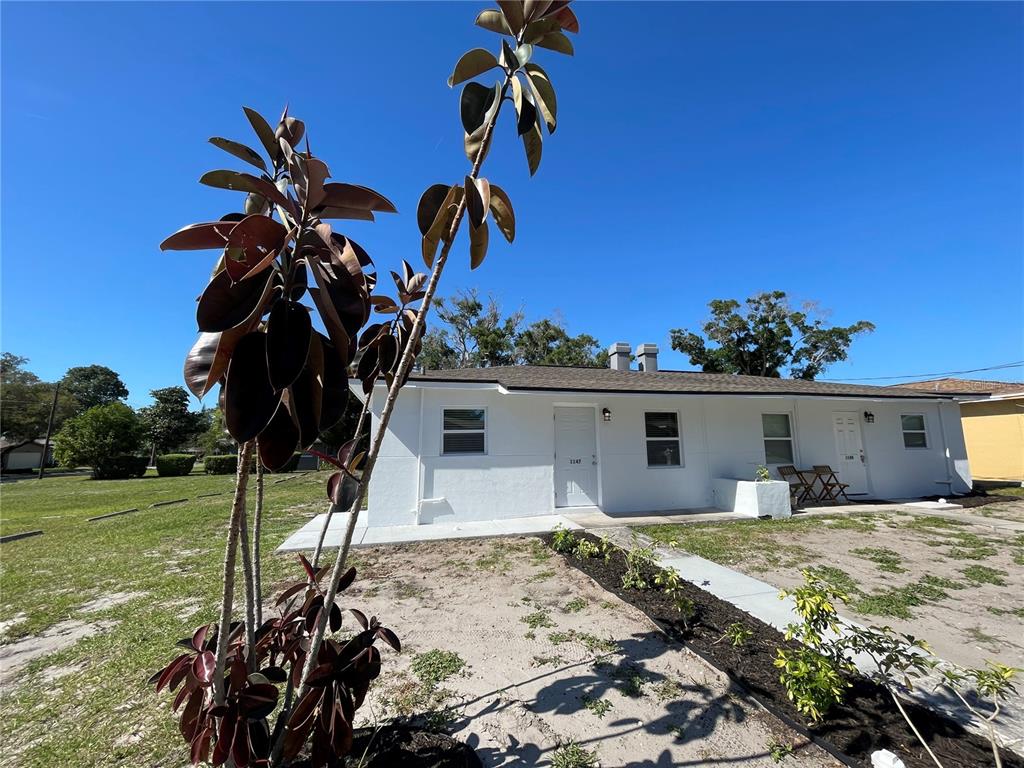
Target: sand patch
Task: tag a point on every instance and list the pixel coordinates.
(109, 601)
(14, 656)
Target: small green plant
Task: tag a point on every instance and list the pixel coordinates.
(886, 559)
(563, 540)
(572, 755)
(575, 605)
(599, 707)
(814, 674)
(779, 751)
(436, 666)
(639, 560)
(736, 634)
(762, 475)
(981, 574)
(667, 689)
(585, 550)
(607, 547)
(537, 620)
(670, 583)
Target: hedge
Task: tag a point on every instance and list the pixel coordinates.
(175, 464)
(221, 465)
(120, 468)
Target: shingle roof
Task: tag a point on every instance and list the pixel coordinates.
(965, 386)
(558, 378)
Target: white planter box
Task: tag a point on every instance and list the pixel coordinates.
(752, 499)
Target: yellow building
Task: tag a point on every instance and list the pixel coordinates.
(992, 415)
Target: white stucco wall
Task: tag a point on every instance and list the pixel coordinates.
(721, 437)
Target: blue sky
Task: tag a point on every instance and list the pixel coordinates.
(867, 156)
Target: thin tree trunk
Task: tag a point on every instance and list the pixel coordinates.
(389, 405)
(332, 508)
(227, 601)
(257, 523)
(913, 727)
(250, 586)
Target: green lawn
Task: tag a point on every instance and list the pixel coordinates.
(1013, 491)
(101, 712)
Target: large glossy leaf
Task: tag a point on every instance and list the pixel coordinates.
(225, 305)
(441, 225)
(240, 151)
(289, 330)
(245, 182)
(544, 95)
(208, 359)
(512, 10)
(335, 212)
(567, 20)
(474, 139)
(339, 195)
(478, 238)
(504, 215)
(309, 184)
(474, 105)
(306, 395)
(263, 131)
(278, 439)
(556, 41)
(335, 385)
(533, 144)
(252, 246)
(342, 489)
(430, 205)
(493, 21)
(388, 354)
(526, 113)
(478, 197)
(472, 63)
(249, 398)
(199, 237)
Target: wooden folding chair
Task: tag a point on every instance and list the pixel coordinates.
(831, 488)
(799, 491)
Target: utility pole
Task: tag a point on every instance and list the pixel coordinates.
(49, 429)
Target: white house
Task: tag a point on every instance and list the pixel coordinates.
(517, 441)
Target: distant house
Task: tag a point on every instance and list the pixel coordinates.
(518, 441)
(23, 454)
(993, 423)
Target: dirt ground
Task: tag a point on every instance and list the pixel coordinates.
(519, 655)
(959, 586)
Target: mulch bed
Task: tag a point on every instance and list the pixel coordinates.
(867, 720)
(398, 745)
(974, 499)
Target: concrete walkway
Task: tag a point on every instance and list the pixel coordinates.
(761, 600)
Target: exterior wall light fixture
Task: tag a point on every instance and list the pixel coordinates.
(606, 414)
(869, 417)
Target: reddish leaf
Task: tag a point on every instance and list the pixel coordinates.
(246, 182)
(305, 395)
(342, 490)
(169, 671)
(203, 666)
(389, 637)
(253, 242)
(224, 305)
(199, 237)
(360, 617)
(293, 590)
(199, 637)
(263, 131)
(355, 197)
(249, 398)
(289, 330)
(277, 441)
(240, 151)
(335, 386)
(346, 579)
(200, 750)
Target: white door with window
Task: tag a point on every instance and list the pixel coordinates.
(850, 467)
(575, 457)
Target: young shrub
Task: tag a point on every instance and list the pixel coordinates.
(607, 547)
(737, 635)
(586, 549)
(670, 583)
(175, 464)
(762, 475)
(563, 540)
(639, 560)
(101, 438)
(220, 465)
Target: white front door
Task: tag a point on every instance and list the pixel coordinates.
(575, 457)
(850, 466)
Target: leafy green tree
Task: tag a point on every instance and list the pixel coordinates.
(546, 342)
(93, 385)
(215, 440)
(473, 335)
(25, 401)
(98, 436)
(767, 337)
(168, 423)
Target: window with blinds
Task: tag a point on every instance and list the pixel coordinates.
(778, 438)
(463, 430)
(661, 431)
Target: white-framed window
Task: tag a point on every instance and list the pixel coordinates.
(661, 433)
(463, 430)
(777, 431)
(914, 433)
